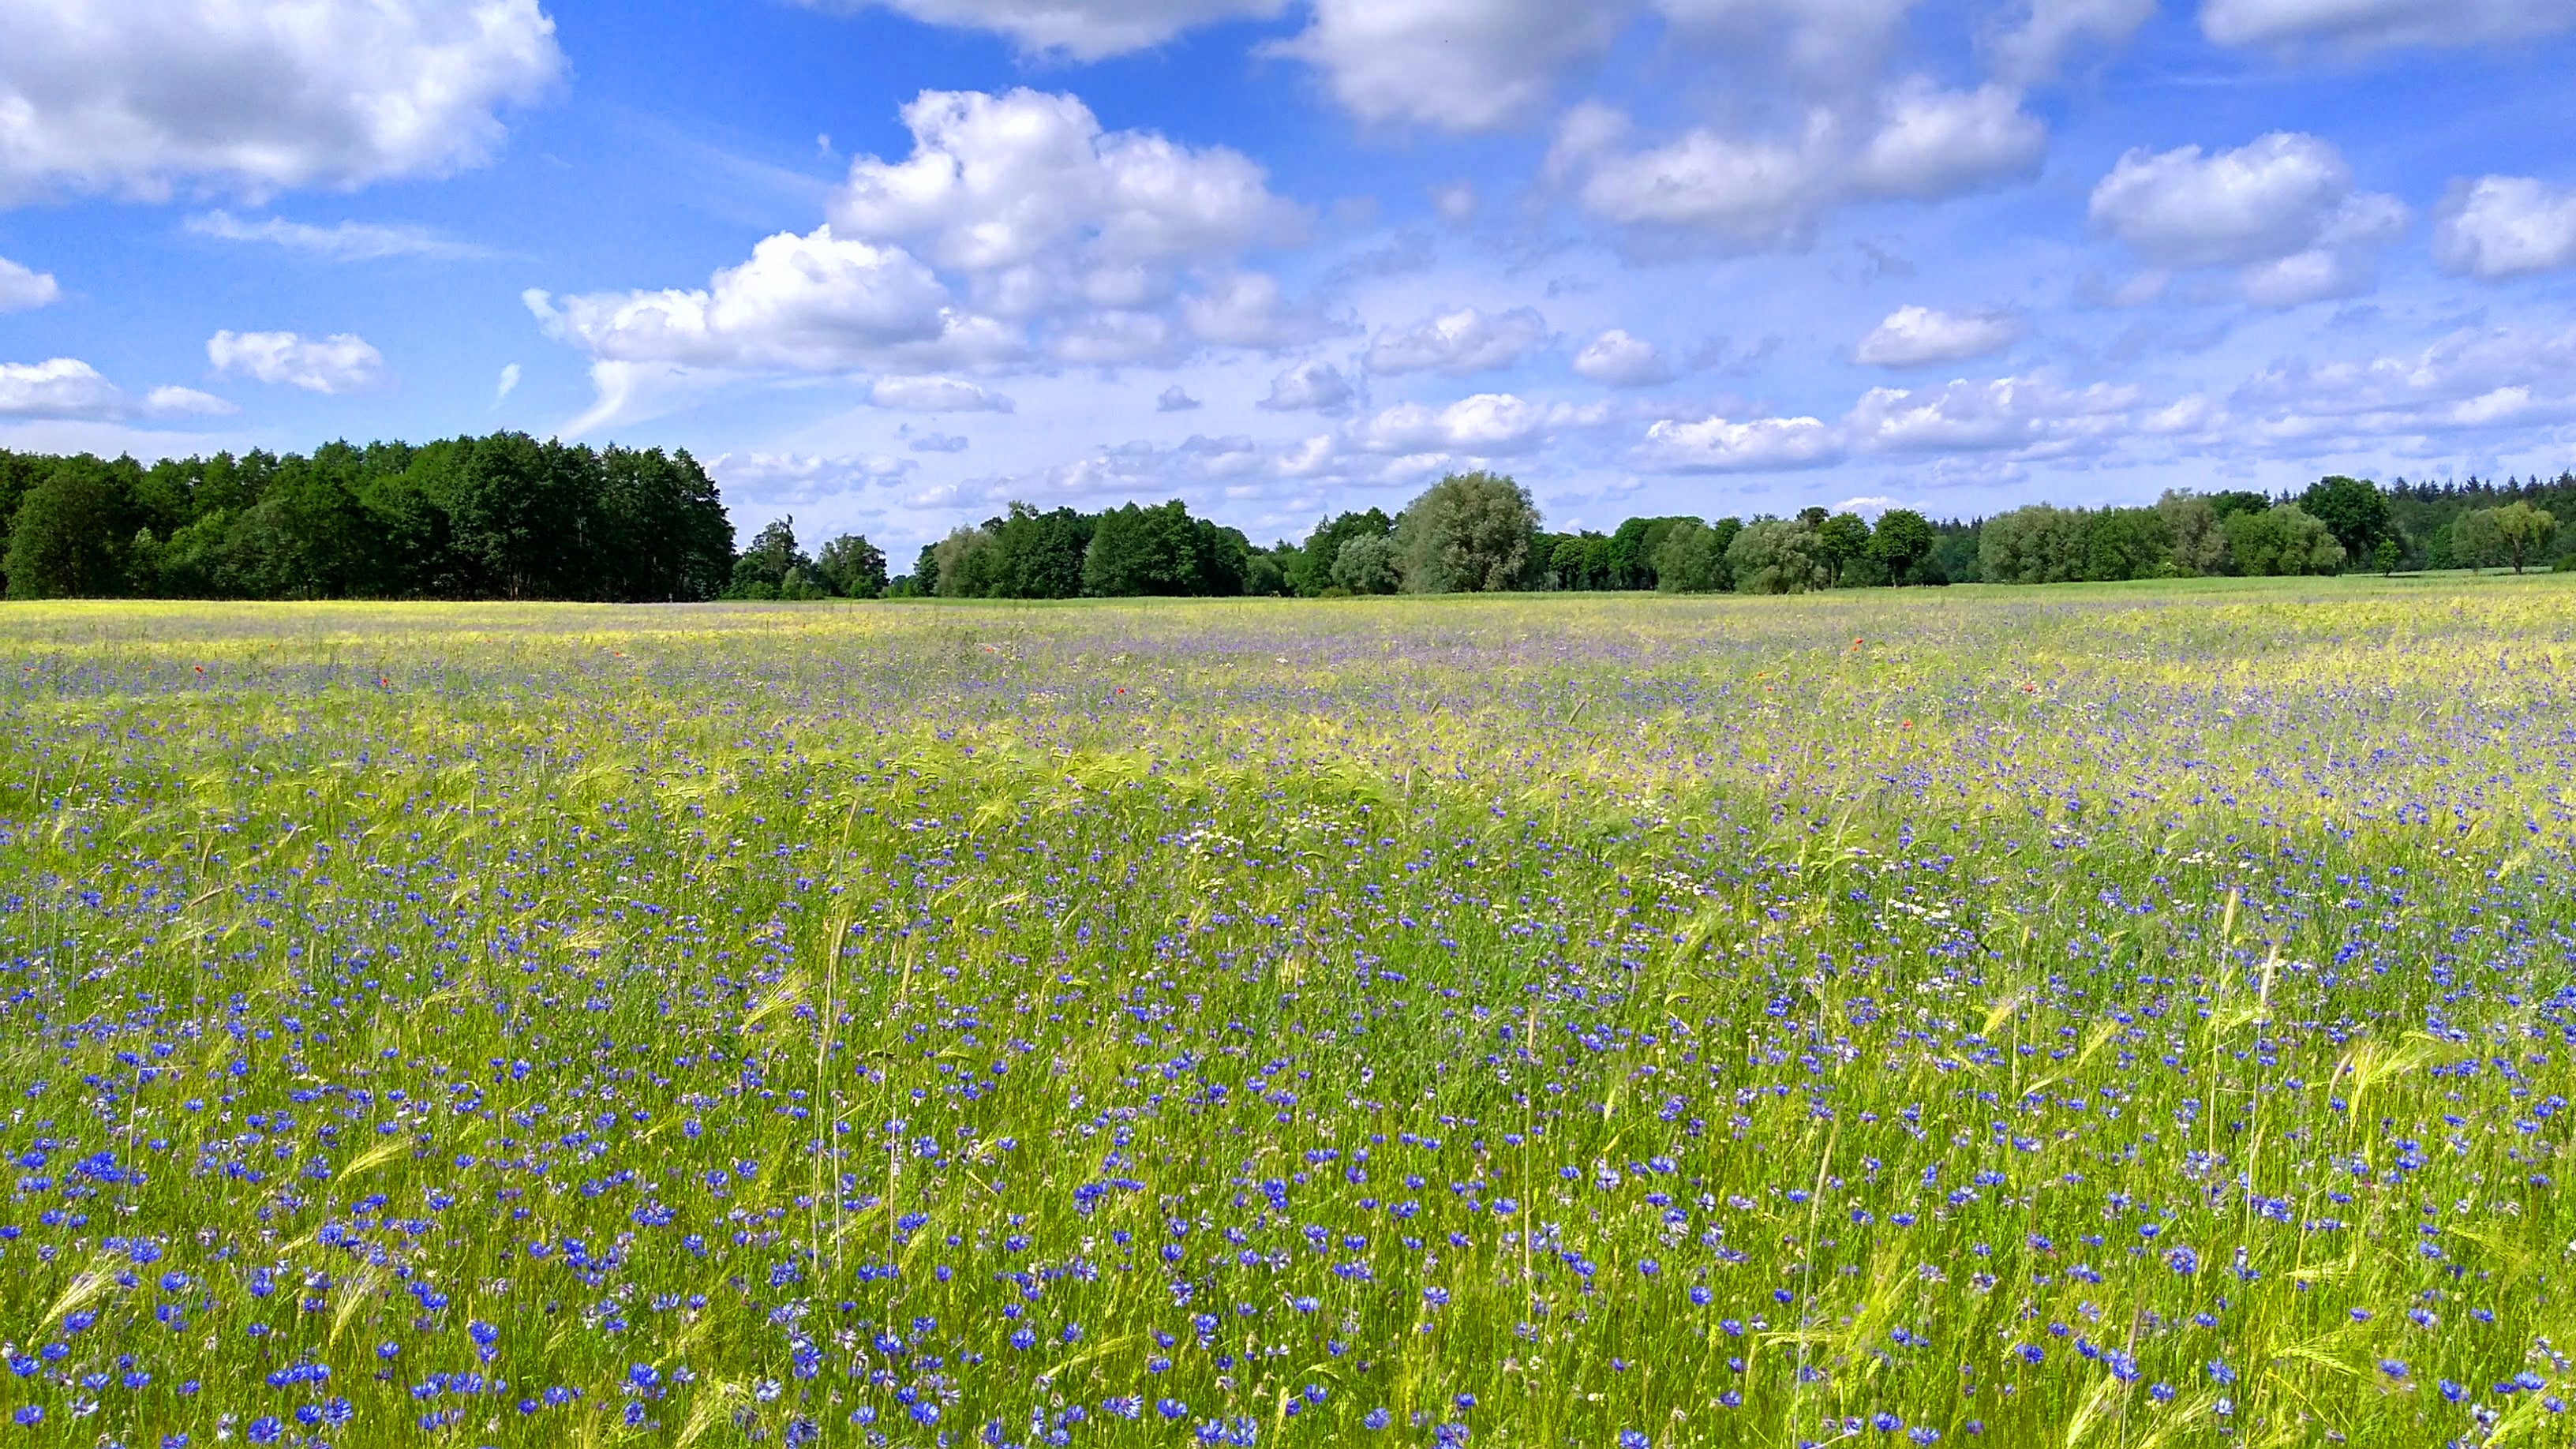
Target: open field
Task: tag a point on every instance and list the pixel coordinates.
(2134, 1015)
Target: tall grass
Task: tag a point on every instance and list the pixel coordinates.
(2120, 1017)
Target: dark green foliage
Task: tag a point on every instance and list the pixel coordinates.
(1468, 533)
(1901, 544)
(2127, 543)
(73, 530)
(772, 566)
(1137, 551)
(1310, 569)
(498, 517)
(2355, 512)
(851, 567)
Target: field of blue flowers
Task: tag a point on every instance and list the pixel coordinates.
(2089, 1017)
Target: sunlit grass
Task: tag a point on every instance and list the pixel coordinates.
(2111, 1016)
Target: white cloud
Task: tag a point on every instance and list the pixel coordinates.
(938, 443)
(2282, 207)
(509, 382)
(1833, 44)
(138, 97)
(2033, 49)
(2500, 226)
(348, 241)
(1456, 202)
(1459, 65)
(342, 362)
(1912, 336)
(788, 472)
(1175, 399)
(1915, 140)
(1931, 142)
(1759, 445)
(2468, 379)
(2028, 414)
(1077, 29)
(60, 387)
(935, 395)
(1484, 425)
(1617, 359)
(186, 402)
(1750, 192)
(1024, 179)
(2367, 24)
(21, 288)
(1459, 343)
(1247, 309)
(1312, 384)
(816, 303)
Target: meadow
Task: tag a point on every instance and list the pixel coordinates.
(2133, 1015)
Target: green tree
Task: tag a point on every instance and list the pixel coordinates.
(1310, 570)
(72, 529)
(961, 565)
(765, 568)
(1369, 565)
(2282, 539)
(1137, 551)
(2352, 509)
(1901, 543)
(2127, 543)
(2199, 543)
(2036, 544)
(1038, 555)
(2514, 533)
(1467, 533)
(1844, 540)
(1777, 556)
(852, 567)
(1692, 558)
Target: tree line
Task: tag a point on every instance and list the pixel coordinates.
(508, 517)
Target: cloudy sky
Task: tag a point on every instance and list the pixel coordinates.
(887, 263)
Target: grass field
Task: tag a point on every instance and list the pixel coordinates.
(2136, 1015)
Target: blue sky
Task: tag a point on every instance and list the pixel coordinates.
(887, 265)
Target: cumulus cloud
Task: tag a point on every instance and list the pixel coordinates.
(139, 97)
(186, 402)
(21, 288)
(1914, 140)
(1076, 29)
(1932, 142)
(2370, 24)
(1912, 336)
(996, 183)
(1452, 65)
(1752, 192)
(509, 383)
(2468, 379)
(935, 395)
(2037, 44)
(795, 479)
(2283, 208)
(347, 241)
(1484, 425)
(818, 303)
(1757, 445)
(2031, 415)
(61, 387)
(1460, 343)
(2491, 228)
(938, 443)
(1616, 359)
(1310, 385)
(1249, 310)
(342, 362)
(1175, 399)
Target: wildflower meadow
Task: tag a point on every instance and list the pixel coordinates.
(2132, 1015)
